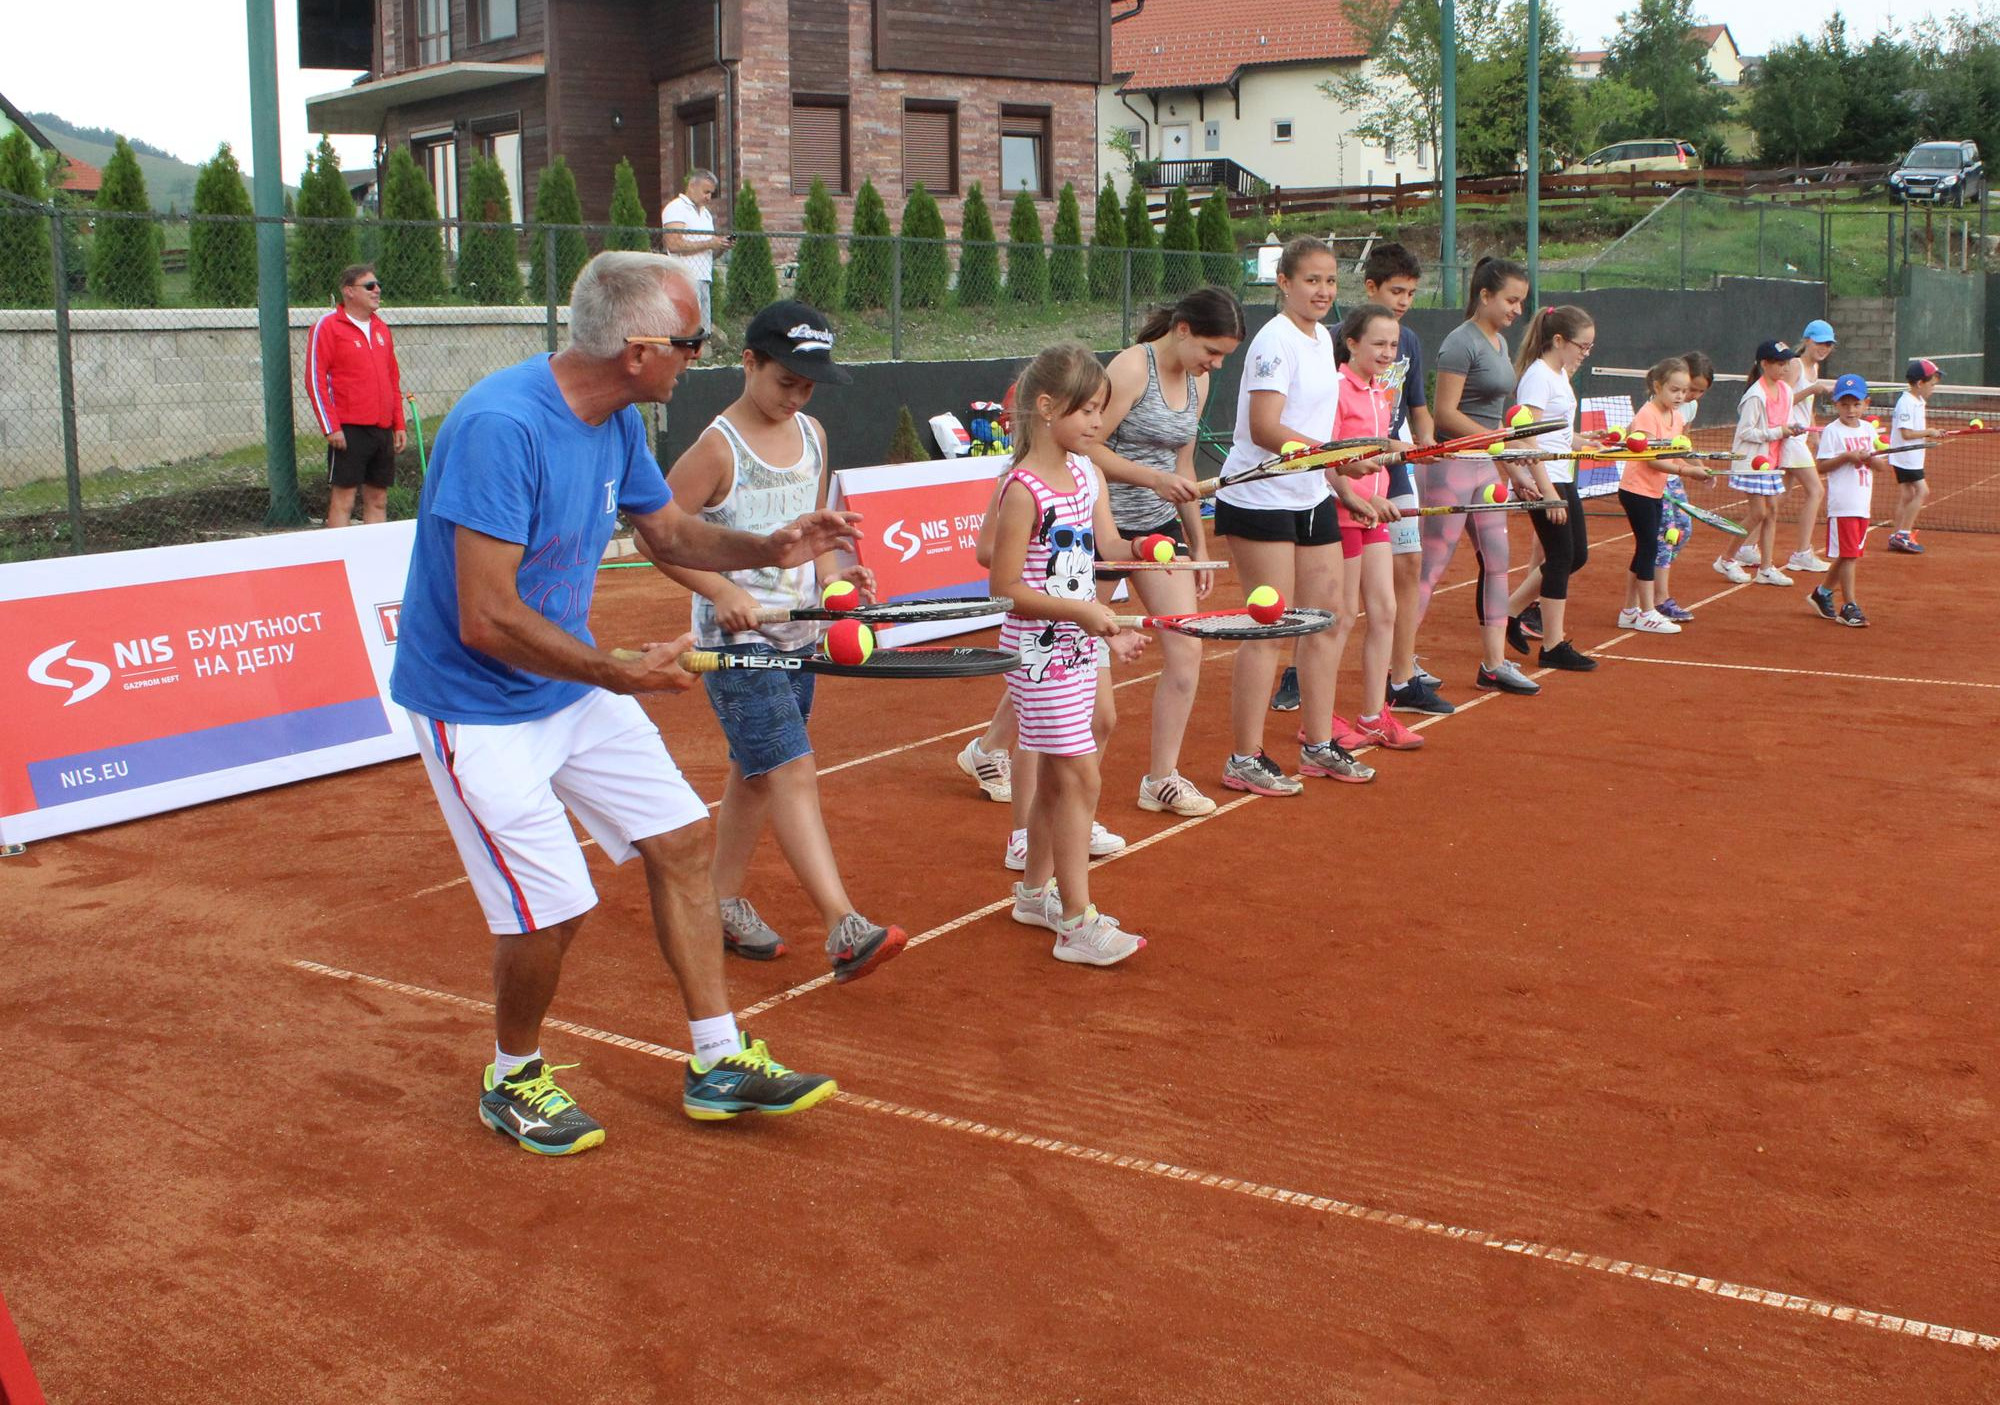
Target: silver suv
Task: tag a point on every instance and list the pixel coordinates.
(1937, 171)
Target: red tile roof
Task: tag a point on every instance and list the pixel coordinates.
(1200, 44)
(81, 176)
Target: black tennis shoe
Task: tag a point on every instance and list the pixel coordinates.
(1286, 699)
(1568, 657)
(750, 1080)
(529, 1107)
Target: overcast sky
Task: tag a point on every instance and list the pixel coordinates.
(177, 75)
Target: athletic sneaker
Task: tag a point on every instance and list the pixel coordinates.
(1628, 619)
(1674, 610)
(857, 946)
(1567, 657)
(1807, 561)
(1032, 909)
(529, 1107)
(1653, 622)
(1419, 696)
(1821, 600)
(1174, 794)
(1850, 615)
(1335, 762)
(1389, 734)
(1517, 637)
(1103, 842)
(1259, 775)
(1731, 571)
(1286, 699)
(1095, 940)
(994, 770)
(1507, 678)
(1017, 851)
(1771, 575)
(1345, 734)
(750, 1080)
(1912, 545)
(1430, 680)
(1748, 555)
(747, 934)
(1531, 621)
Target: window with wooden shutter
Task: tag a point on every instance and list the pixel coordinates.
(819, 144)
(1024, 150)
(930, 147)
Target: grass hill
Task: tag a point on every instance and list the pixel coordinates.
(169, 180)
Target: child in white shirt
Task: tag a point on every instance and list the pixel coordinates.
(1850, 456)
(1905, 429)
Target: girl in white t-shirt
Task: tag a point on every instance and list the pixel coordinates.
(1553, 350)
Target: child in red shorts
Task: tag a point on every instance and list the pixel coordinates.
(1850, 458)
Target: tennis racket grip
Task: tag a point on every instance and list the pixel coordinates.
(775, 614)
(693, 661)
(1207, 487)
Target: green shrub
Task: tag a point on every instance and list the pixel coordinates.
(1027, 260)
(125, 253)
(1220, 263)
(753, 278)
(1144, 241)
(906, 445)
(222, 255)
(926, 266)
(27, 274)
(556, 205)
(978, 255)
(320, 251)
(818, 281)
(869, 258)
(411, 263)
(489, 266)
(630, 229)
(1066, 271)
(1107, 245)
(1180, 246)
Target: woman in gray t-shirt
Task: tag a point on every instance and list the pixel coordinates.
(1474, 382)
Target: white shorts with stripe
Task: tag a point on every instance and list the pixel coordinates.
(504, 788)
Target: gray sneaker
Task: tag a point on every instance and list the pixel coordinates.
(747, 934)
(1037, 910)
(1335, 762)
(1095, 940)
(857, 946)
(1507, 678)
(1259, 775)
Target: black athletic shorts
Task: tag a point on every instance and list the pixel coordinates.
(1908, 475)
(370, 457)
(1305, 526)
(1172, 529)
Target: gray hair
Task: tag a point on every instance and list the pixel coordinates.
(702, 173)
(623, 293)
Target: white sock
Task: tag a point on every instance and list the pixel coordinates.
(714, 1038)
(505, 1064)
(1239, 756)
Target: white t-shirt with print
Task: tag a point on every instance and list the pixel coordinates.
(1850, 489)
(1907, 427)
(1549, 391)
(1299, 367)
(683, 211)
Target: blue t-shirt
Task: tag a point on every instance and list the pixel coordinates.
(513, 461)
(1408, 372)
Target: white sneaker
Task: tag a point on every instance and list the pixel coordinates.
(1173, 793)
(1653, 622)
(1102, 842)
(1748, 555)
(1771, 575)
(994, 770)
(1729, 570)
(1806, 561)
(1043, 909)
(1628, 619)
(1017, 851)
(1095, 940)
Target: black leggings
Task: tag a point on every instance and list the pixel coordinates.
(1565, 545)
(1644, 515)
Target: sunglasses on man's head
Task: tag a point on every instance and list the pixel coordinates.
(693, 343)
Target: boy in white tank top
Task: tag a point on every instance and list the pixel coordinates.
(764, 460)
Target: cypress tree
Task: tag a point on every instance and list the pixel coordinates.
(557, 204)
(1220, 264)
(868, 259)
(818, 280)
(978, 256)
(1180, 246)
(412, 258)
(222, 255)
(926, 266)
(1066, 272)
(1144, 241)
(1107, 245)
(1027, 260)
(630, 229)
(489, 268)
(753, 279)
(125, 253)
(906, 445)
(27, 277)
(320, 251)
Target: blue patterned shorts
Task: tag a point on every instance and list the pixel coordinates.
(763, 712)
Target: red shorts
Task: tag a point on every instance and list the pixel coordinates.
(1353, 537)
(1846, 537)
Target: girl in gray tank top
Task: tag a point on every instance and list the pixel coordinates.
(1153, 433)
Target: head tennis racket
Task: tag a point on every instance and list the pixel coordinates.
(883, 663)
(1320, 456)
(888, 612)
(1232, 624)
(1713, 519)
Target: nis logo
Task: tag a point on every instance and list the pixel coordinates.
(84, 678)
(933, 534)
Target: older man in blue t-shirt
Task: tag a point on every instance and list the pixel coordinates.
(521, 717)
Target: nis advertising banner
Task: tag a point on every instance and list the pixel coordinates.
(143, 681)
(920, 532)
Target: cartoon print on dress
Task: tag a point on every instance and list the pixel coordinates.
(1061, 647)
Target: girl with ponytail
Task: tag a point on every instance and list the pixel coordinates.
(1554, 349)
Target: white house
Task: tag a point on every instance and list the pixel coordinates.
(1240, 82)
(1718, 47)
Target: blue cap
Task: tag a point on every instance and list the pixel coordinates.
(1849, 386)
(1818, 330)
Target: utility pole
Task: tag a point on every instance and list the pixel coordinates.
(1448, 152)
(1534, 155)
(267, 186)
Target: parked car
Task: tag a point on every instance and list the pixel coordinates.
(1937, 171)
(1652, 154)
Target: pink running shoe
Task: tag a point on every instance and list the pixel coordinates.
(1386, 732)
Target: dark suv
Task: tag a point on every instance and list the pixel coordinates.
(1937, 171)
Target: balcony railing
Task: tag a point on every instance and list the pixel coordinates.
(1207, 173)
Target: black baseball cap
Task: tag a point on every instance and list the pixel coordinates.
(797, 336)
(1775, 351)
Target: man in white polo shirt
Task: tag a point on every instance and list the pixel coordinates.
(688, 225)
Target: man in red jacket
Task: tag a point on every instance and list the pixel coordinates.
(356, 391)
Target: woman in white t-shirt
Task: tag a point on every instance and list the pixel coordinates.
(1282, 531)
(1553, 350)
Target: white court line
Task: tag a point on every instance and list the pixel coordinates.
(1804, 672)
(1257, 1190)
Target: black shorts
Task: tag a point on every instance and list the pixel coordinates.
(1172, 529)
(1304, 526)
(1909, 475)
(370, 457)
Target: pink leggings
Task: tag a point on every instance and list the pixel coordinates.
(1454, 482)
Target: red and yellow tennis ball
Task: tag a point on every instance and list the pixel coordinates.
(1493, 492)
(1614, 438)
(1975, 424)
(840, 595)
(1681, 441)
(1760, 464)
(1292, 446)
(1157, 547)
(1265, 605)
(1497, 448)
(1880, 443)
(1636, 443)
(1520, 415)
(849, 642)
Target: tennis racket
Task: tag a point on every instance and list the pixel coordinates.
(1614, 456)
(888, 612)
(883, 663)
(1511, 505)
(1179, 563)
(1954, 434)
(1710, 517)
(1232, 624)
(1469, 443)
(1321, 456)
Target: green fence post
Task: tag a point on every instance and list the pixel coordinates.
(1985, 194)
(1682, 198)
(1125, 299)
(549, 282)
(66, 383)
(281, 468)
(896, 299)
(1760, 241)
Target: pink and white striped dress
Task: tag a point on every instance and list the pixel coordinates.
(1055, 688)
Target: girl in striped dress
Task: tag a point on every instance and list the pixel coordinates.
(1053, 513)
(1763, 420)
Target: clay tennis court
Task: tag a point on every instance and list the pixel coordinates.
(1634, 1041)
